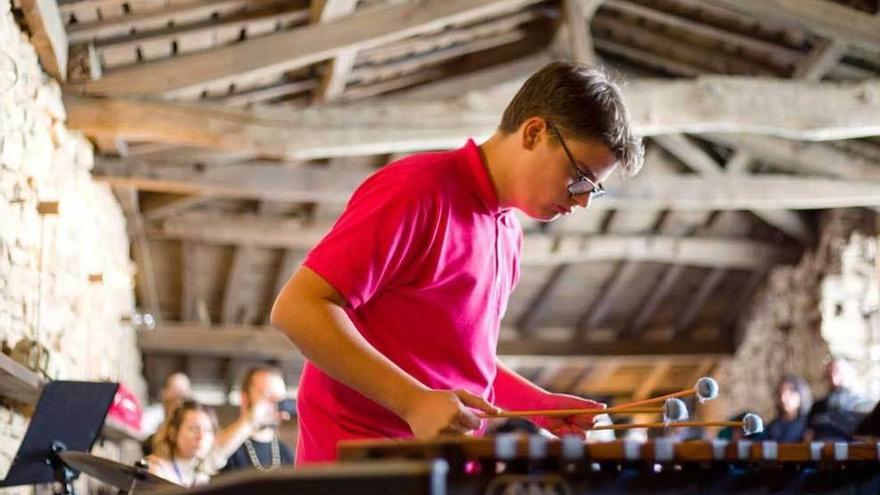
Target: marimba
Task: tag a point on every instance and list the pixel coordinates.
(515, 464)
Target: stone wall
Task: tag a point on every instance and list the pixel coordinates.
(825, 305)
(66, 279)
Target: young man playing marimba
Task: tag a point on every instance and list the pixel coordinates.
(398, 308)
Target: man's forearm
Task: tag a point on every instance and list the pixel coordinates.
(513, 392)
(326, 336)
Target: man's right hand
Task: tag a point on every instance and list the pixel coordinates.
(263, 413)
(446, 412)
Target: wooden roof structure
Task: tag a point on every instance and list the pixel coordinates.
(234, 130)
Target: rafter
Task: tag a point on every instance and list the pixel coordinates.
(779, 55)
(240, 296)
(264, 181)
(819, 159)
(794, 109)
(691, 155)
(148, 286)
(240, 341)
(821, 16)
(654, 378)
(619, 348)
(707, 287)
(821, 59)
(277, 53)
(612, 28)
(538, 249)
(578, 14)
(47, 35)
(657, 295)
(526, 322)
(338, 69)
(264, 342)
(189, 259)
(612, 291)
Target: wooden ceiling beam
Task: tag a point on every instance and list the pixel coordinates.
(619, 348)
(792, 109)
(644, 57)
(820, 159)
(413, 65)
(609, 27)
(338, 69)
(611, 292)
(239, 300)
(127, 49)
(780, 55)
(47, 35)
(426, 44)
(159, 17)
(820, 16)
(577, 15)
(264, 342)
(677, 192)
(820, 61)
(603, 361)
(510, 73)
(526, 322)
(704, 291)
(239, 341)
(701, 162)
(538, 249)
(281, 52)
(148, 287)
(652, 380)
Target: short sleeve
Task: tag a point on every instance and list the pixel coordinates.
(373, 243)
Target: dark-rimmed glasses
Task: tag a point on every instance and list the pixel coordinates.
(583, 184)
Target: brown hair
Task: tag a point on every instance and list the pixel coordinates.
(165, 439)
(248, 378)
(803, 390)
(582, 101)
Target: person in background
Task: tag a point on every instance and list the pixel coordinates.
(793, 403)
(175, 389)
(835, 417)
(182, 443)
(251, 441)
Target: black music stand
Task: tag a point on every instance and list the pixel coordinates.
(68, 416)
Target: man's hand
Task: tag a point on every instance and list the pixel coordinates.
(446, 412)
(567, 424)
(263, 413)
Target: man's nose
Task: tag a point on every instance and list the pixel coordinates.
(583, 200)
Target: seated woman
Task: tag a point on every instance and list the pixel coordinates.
(793, 402)
(182, 443)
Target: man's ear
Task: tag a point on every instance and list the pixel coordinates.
(530, 132)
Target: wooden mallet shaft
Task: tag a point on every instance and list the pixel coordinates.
(677, 424)
(751, 424)
(706, 389)
(573, 412)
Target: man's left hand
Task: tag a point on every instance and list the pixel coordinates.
(562, 425)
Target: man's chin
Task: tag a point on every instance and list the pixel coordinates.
(546, 216)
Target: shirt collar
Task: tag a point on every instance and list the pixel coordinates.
(473, 161)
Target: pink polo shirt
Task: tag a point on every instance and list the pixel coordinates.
(426, 260)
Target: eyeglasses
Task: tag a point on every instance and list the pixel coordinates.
(583, 185)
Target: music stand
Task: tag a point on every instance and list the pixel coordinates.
(68, 416)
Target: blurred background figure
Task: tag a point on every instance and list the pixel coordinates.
(836, 416)
(175, 389)
(182, 443)
(793, 403)
(251, 441)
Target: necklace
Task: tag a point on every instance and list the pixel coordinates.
(276, 455)
(179, 474)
